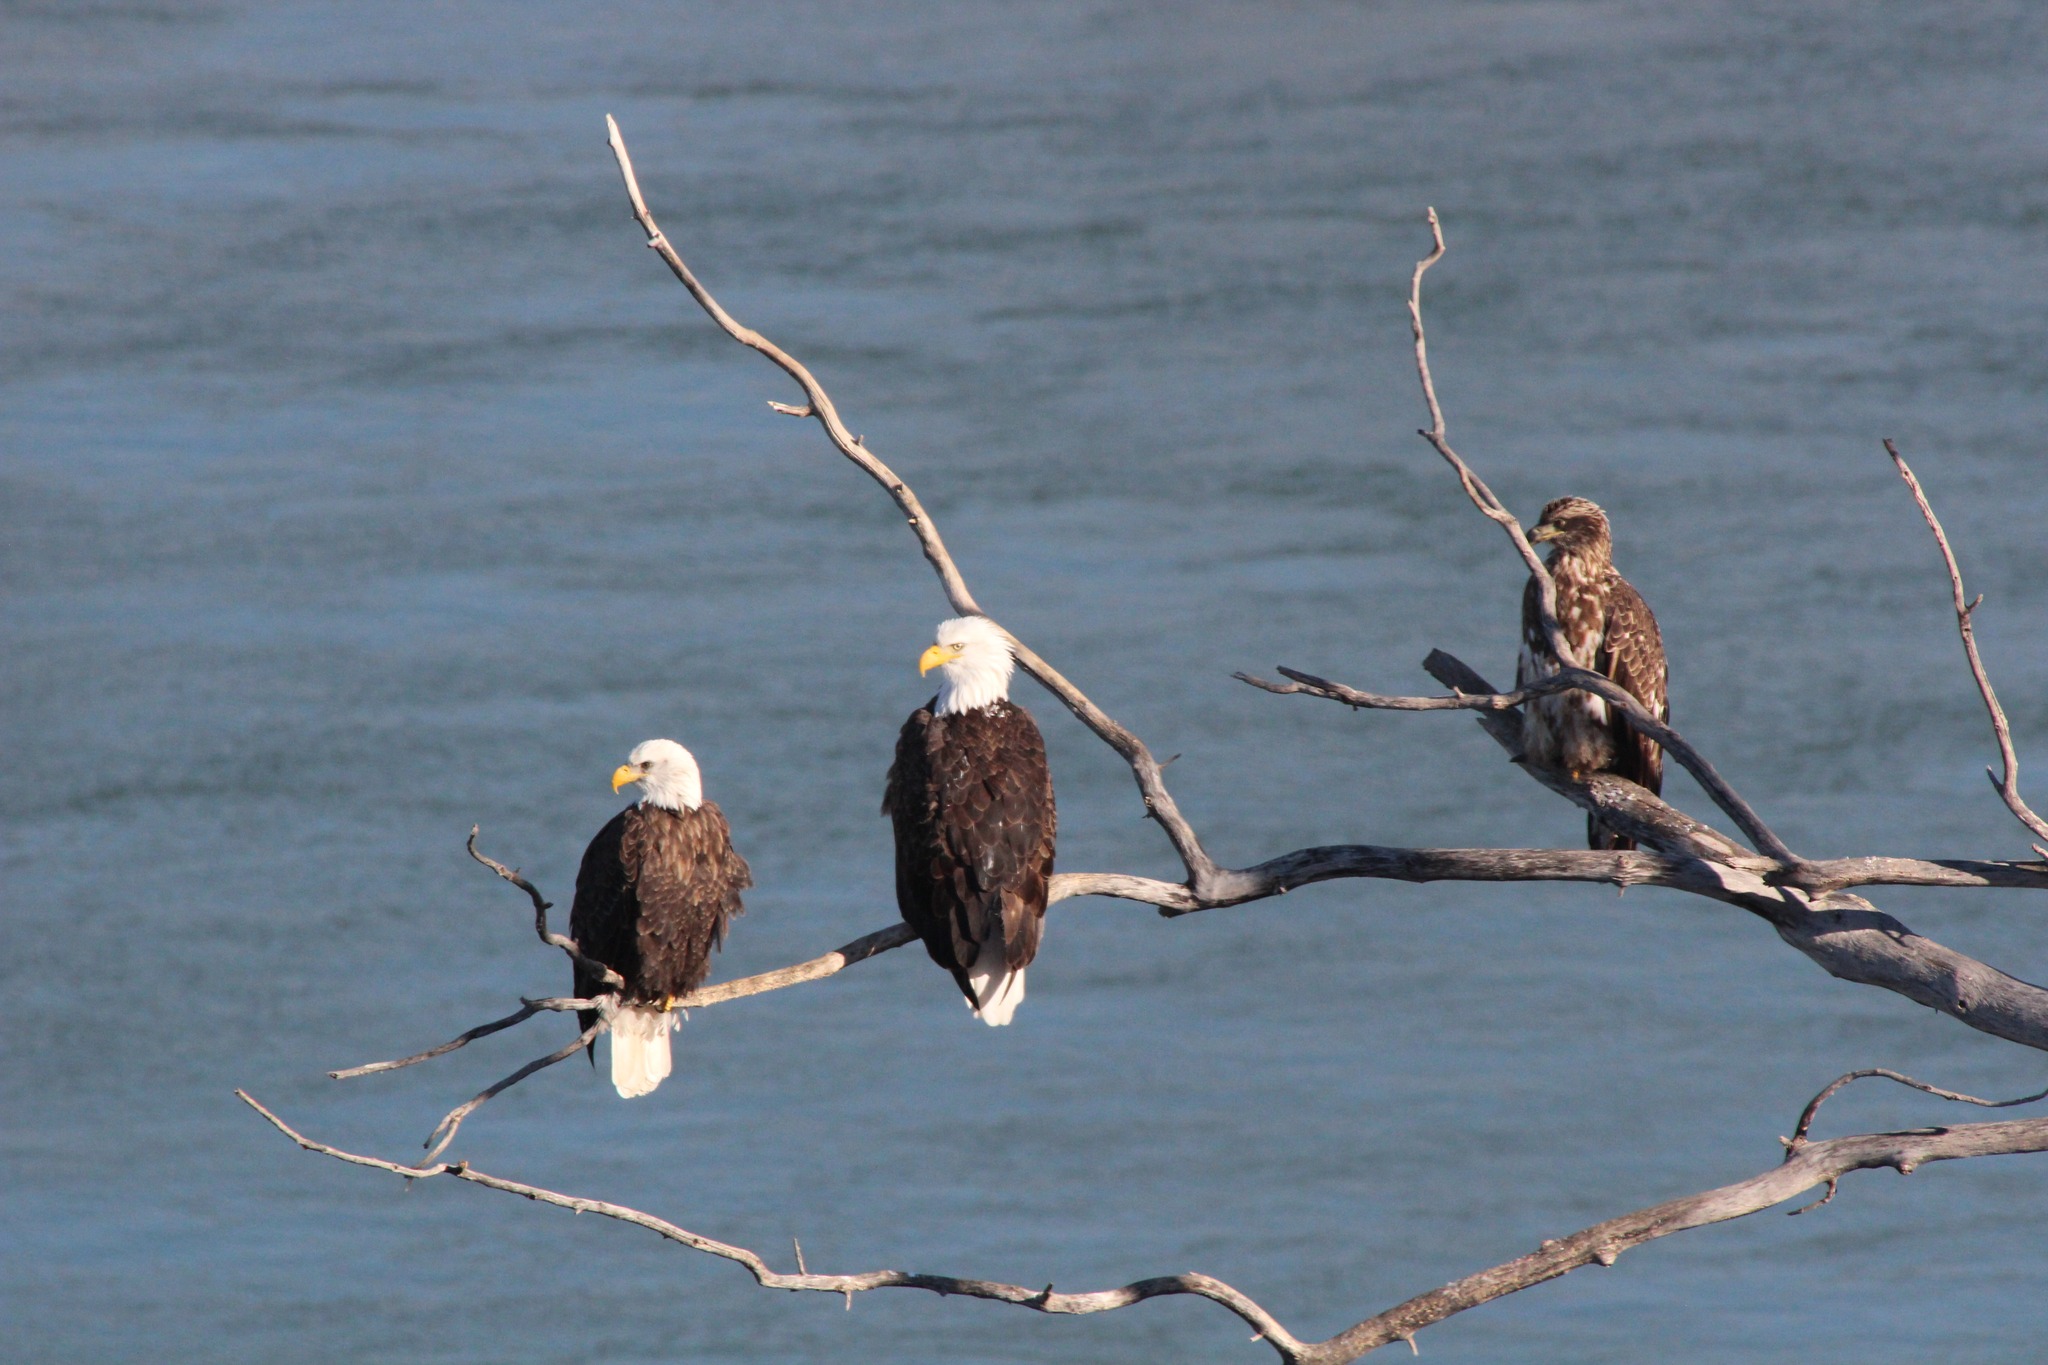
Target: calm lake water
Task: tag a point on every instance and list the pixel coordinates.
(365, 479)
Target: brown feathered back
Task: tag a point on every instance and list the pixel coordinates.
(970, 796)
(1611, 631)
(654, 896)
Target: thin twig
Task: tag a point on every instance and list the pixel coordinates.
(541, 906)
(1798, 1138)
(527, 1009)
(1159, 802)
(445, 1131)
(1602, 1244)
(2008, 785)
(521, 1015)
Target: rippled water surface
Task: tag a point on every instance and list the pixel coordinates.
(365, 479)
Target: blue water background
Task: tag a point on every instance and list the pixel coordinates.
(362, 478)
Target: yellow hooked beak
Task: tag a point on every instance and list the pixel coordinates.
(623, 774)
(932, 658)
(1547, 531)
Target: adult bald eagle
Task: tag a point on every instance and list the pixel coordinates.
(1611, 631)
(970, 796)
(658, 886)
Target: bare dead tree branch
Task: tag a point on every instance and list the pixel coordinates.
(1475, 487)
(1844, 934)
(2008, 785)
(817, 969)
(1602, 1244)
(1690, 872)
(1808, 1165)
(1565, 680)
(525, 1011)
(1039, 1300)
(1806, 1117)
(444, 1132)
(1931, 974)
(541, 906)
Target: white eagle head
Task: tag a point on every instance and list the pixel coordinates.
(667, 774)
(974, 658)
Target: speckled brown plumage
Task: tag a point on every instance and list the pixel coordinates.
(970, 796)
(1611, 631)
(654, 896)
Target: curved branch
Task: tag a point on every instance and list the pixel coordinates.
(2008, 785)
(1806, 1117)
(541, 906)
(1830, 874)
(1041, 1300)
(1475, 487)
(1159, 802)
(1809, 1165)
(1683, 870)
(817, 969)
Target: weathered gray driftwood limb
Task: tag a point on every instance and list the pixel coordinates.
(1844, 934)
(1806, 1166)
(2008, 785)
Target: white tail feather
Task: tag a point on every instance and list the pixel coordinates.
(640, 1058)
(999, 988)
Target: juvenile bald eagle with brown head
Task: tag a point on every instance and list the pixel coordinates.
(970, 795)
(658, 887)
(1610, 631)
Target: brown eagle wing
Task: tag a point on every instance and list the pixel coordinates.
(654, 897)
(970, 797)
(689, 880)
(909, 802)
(1632, 653)
(1015, 830)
